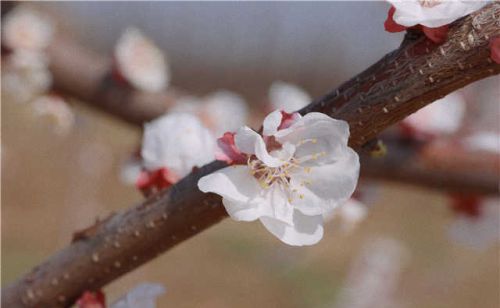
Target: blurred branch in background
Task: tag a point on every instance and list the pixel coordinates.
(87, 76)
(380, 96)
(454, 170)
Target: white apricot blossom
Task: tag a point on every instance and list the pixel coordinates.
(178, 142)
(141, 62)
(300, 169)
(224, 111)
(432, 13)
(442, 117)
(26, 29)
(287, 97)
(220, 111)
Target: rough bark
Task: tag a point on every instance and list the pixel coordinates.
(402, 82)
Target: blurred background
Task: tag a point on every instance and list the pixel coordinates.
(400, 255)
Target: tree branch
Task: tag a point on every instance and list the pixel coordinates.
(402, 82)
(453, 170)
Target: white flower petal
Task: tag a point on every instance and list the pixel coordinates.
(280, 209)
(271, 123)
(250, 142)
(316, 135)
(306, 230)
(285, 153)
(327, 186)
(410, 12)
(239, 189)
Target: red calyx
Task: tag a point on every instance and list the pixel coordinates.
(228, 150)
(467, 205)
(92, 300)
(437, 35)
(152, 181)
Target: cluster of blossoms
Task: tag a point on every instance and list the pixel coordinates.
(143, 295)
(26, 34)
(139, 63)
(297, 171)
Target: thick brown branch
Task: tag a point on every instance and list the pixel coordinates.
(399, 84)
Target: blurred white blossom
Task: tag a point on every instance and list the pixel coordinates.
(442, 117)
(26, 29)
(178, 142)
(220, 111)
(224, 111)
(140, 62)
(483, 141)
(300, 169)
(287, 97)
(25, 75)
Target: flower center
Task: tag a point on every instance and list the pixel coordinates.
(267, 176)
(429, 3)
